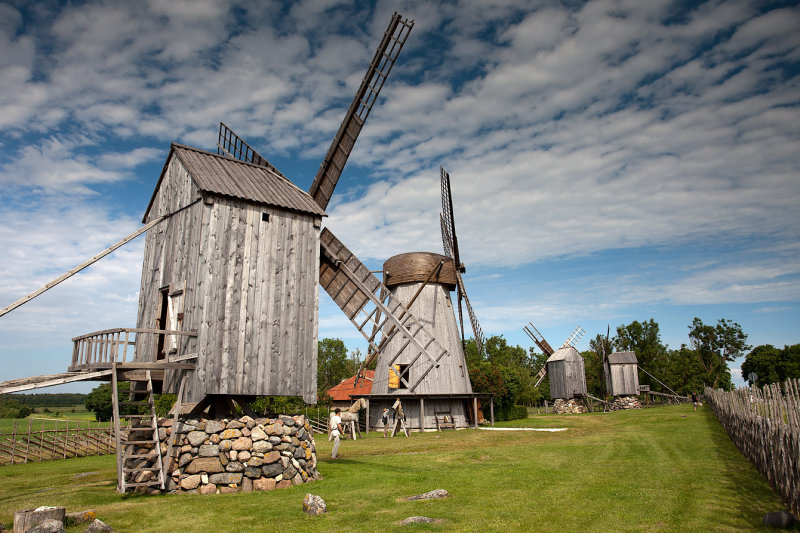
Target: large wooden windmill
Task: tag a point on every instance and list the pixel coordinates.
(439, 384)
(565, 365)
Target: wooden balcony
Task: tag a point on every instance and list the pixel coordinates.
(117, 347)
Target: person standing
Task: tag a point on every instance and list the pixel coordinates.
(694, 400)
(336, 432)
(385, 420)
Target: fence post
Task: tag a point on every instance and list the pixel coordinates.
(13, 441)
(28, 442)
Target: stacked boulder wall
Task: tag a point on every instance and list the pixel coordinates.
(625, 402)
(243, 454)
(566, 407)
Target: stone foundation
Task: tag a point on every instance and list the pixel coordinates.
(244, 454)
(566, 407)
(625, 402)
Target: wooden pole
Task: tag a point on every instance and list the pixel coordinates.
(422, 415)
(13, 441)
(28, 442)
(491, 409)
(475, 412)
(94, 259)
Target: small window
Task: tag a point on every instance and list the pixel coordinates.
(399, 377)
(264, 217)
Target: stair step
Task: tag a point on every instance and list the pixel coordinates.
(141, 456)
(153, 483)
(137, 442)
(144, 469)
(137, 416)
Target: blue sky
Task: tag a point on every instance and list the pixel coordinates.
(610, 161)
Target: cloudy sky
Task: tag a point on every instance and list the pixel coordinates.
(610, 160)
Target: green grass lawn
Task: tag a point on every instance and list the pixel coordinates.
(663, 469)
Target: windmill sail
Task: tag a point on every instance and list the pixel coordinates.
(371, 307)
(331, 168)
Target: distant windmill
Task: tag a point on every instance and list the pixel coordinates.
(565, 365)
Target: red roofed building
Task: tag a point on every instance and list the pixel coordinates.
(341, 392)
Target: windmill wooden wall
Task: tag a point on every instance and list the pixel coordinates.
(434, 309)
(248, 270)
(567, 374)
(623, 374)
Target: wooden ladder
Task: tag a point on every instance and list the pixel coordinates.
(131, 460)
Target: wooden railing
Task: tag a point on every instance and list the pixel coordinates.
(102, 348)
(26, 444)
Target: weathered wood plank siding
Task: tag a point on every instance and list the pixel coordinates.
(434, 309)
(170, 260)
(624, 380)
(259, 323)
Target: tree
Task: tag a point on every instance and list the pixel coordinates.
(771, 364)
(716, 346)
(333, 365)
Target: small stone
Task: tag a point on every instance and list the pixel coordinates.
(283, 484)
(432, 495)
(314, 505)
(209, 488)
(48, 525)
(234, 466)
(245, 432)
(779, 519)
(229, 489)
(185, 427)
(257, 434)
(196, 438)
(191, 482)
(230, 434)
(214, 439)
(226, 478)
(418, 520)
(225, 445)
(264, 483)
(162, 433)
(272, 457)
(272, 469)
(244, 456)
(290, 472)
(234, 455)
(274, 440)
(82, 517)
(261, 446)
(297, 480)
(247, 485)
(256, 461)
(234, 424)
(273, 429)
(224, 459)
(214, 426)
(287, 420)
(204, 478)
(252, 472)
(210, 465)
(186, 449)
(208, 450)
(184, 459)
(285, 462)
(165, 422)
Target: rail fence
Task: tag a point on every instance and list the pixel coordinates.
(26, 444)
(764, 424)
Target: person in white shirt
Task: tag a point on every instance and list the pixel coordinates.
(336, 432)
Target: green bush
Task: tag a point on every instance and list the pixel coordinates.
(514, 412)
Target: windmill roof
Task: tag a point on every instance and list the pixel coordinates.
(343, 391)
(565, 353)
(230, 177)
(620, 358)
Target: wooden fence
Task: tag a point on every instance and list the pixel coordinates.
(26, 444)
(764, 424)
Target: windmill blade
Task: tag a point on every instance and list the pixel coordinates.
(476, 327)
(447, 243)
(231, 145)
(331, 168)
(542, 373)
(574, 337)
(447, 220)
(367, 302)
(538, 339)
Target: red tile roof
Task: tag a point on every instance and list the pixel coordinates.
(342, 391)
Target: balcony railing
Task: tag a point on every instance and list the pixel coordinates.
(102, 348)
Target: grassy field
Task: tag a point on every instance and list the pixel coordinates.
(664, 469)
(56, 418)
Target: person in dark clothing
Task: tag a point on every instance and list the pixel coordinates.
(695, 401)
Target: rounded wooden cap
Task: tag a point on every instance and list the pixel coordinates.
(417, 267)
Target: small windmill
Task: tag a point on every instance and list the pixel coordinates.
(566, 366)
(423, 281)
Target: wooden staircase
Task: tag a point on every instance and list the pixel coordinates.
(139, 461)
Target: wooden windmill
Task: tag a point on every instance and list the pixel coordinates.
(565, 365)
(423, 281)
